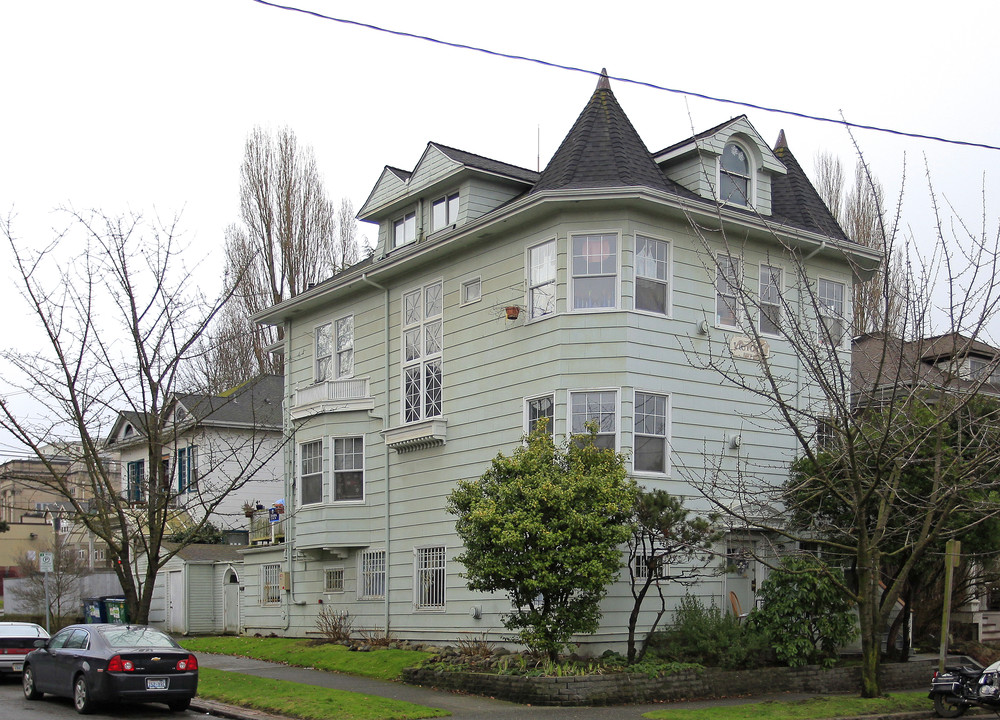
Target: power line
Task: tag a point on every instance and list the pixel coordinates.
(630, 81)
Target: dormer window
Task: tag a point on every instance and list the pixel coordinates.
(445, 212)
(405, 230)
(734, 176)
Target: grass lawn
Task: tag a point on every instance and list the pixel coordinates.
(304, 701)
(379, 664)
(836, 706)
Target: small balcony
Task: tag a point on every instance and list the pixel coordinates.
(265, 532)
(332, 396)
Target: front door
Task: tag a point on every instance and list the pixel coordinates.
(175, 601)
(231, 604)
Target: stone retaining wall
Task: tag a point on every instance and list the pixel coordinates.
(636, 688)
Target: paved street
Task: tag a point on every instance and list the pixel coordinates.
(13, 706)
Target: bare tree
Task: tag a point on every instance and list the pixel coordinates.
(63, 582)
(120, 317)
(893, 459)
(861, 212)
(346, 252)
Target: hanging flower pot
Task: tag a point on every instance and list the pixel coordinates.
(512, 312)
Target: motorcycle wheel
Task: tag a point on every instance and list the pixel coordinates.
(946, 707)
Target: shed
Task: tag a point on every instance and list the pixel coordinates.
(197, 591)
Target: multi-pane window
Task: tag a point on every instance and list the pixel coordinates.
(345, 347)
(187, 473)
(831, 309)
(471, 291)
(770, 300)
(311, 472)
(136, 475)
(422, 347)
(644, 565)
(542, 279)
(985, 370)
(445, 211)
(650, 451)
(404, 230)
(99, 554)
(595, 271)
(599, 407)
(539, 409)
(270, 584)
(348, 468)
(429, 576)
(372, 574)
(652, 274)
(81, 554)
(727, 281)
(333, 580)
(323, 352)
(734, 175)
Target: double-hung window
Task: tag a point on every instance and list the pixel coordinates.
(372, 574)
(423, 329)
(349, 468)
(404, 230)
(136, 476)
(599, 407)
(270, 584)
(334, 353)
(429, 578)
(595, 271)
(542, 279)
(770, 300)
(651, 425)
(727, 283)
(734, 175)
(831, 296)
(345, 347)
(539, 409)
(187, 468)
(311, 472)
(445, 211)
(323, 352)
(652, 275)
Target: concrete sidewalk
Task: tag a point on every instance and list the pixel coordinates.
(461, 707)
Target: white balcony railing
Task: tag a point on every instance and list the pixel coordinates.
(332, 396)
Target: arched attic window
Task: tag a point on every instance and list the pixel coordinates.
(735, 180)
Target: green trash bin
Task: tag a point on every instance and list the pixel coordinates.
(117, 612)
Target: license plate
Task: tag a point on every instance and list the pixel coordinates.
(156, 683)
(17, 667)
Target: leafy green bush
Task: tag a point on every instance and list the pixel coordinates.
(709, 637)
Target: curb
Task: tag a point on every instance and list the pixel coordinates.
(235, 712)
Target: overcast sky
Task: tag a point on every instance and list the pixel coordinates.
(135, 105)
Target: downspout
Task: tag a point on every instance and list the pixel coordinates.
(289, 483)
(821, 248)
(385, 425)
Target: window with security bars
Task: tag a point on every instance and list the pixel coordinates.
(372, 574)
(423, 329)
(270, 586)
(333, 580)
(429, 578)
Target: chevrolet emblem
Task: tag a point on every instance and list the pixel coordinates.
(155, 659)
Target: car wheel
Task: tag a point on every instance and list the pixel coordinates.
(28, 683)
(179, 705)
(945, 707)
(81, 696)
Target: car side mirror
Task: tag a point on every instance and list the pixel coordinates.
(41, 643)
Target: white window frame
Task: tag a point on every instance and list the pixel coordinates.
(335, 458)
(430, 577)
(270, 584)
(423, 336)
(333, 579)
(640, 570)
(343, 346)
(300, 468)
(667, 283)
(323, 352)
(371, 574)
(541, 285)
(449, 215)
(407, 227)
(466, 297)
(839, 315)
(737, 263)
(579, 278)
(527, 412)
(749, 177)
(768, 302)
(580, 428)
(665, 436)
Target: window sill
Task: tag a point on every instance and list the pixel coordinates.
(417, 435)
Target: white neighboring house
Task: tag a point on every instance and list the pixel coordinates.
(232, 439)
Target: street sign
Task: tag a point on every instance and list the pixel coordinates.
(46, 562)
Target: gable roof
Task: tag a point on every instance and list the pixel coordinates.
(257, 402)
(485, 164)
(794, 199)
(601, 150)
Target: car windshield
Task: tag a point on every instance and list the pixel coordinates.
(126, 637)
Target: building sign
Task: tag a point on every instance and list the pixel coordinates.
(748, 348)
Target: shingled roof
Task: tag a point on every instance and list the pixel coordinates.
(793, 197)
(601, 150)
(257, 402)
(479, 162)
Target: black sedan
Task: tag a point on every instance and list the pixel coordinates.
(108, 663)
